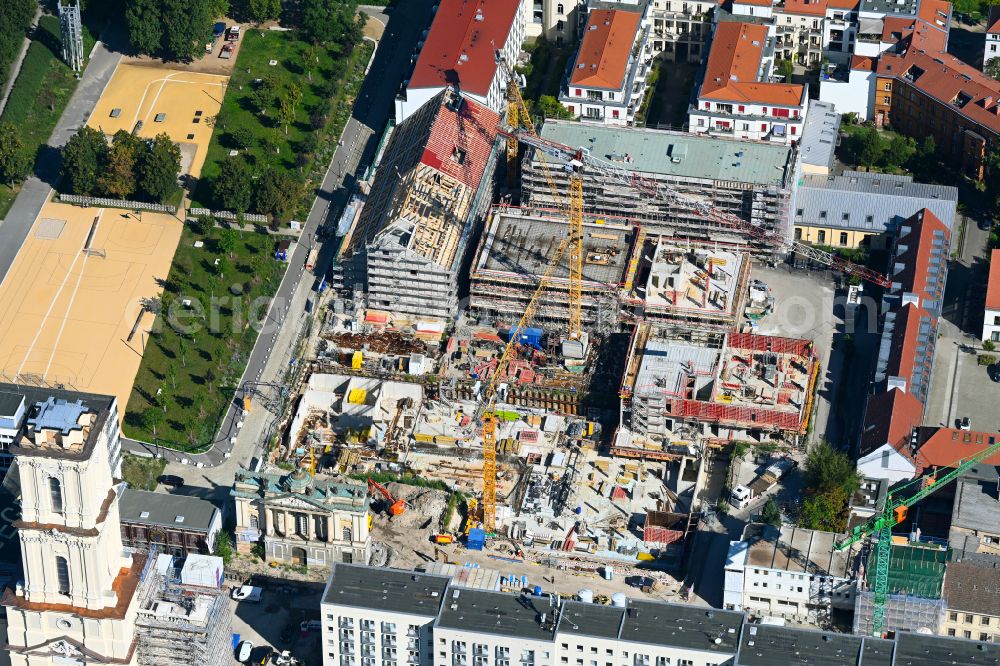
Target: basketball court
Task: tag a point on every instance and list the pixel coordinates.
(177, 102)
(73, 297)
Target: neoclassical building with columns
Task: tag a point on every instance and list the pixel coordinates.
(302, 520)
(76, 601)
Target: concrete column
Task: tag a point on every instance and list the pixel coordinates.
(331, 526)
(311, 526)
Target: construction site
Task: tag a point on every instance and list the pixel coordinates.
(184, 614)
(678, 396)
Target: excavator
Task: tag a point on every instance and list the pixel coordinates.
(395, 507)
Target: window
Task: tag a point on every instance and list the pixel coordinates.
(55, 495)
(798, 233)
(62, 572)
(886, 99)
(579, 92)
(843, 238)
(821, 237)
(968, 618)
(951, 632)
(347, 534)
(614, 113)
(984, 620)
(983, 636)
(967, 634)
(560, 9)
(887, 86)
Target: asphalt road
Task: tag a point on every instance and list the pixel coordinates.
(37, 189)
(372, 110)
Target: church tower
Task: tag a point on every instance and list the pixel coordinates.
(77, 601)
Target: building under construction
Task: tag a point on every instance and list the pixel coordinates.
(749, 180)
(916, 581)
(677, 395)
(695, 289)
(183, 616)
(516, 251)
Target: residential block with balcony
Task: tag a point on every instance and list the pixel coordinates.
(739, 97)
(607, 81)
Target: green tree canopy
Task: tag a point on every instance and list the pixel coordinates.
(330, 21)
(145, 25)
(264, 10)
(117, 178)
(770, 514)
(173, 29)
(828, 468)
(159, 168)
(82, 160)
(275, 194)
(992, 68)
(233, 187)
(15, 162)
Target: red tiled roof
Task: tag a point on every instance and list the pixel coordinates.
(896, 28)
(843, 4)
(602, 61)
(865, 63)
(903, 356)
(916, 259)
(993, 284)
(935, 13)
(733, 63)
(459, 49)
(943, 77)
(995, 28)
(805, 7)
(460, 141)
(755, 3)
(945, 447)
(889, 419)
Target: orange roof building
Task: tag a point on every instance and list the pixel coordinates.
(991, 318)
(737, 96)
(607, 81)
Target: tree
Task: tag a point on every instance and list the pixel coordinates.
(82, 160)
(310, 58)
(242, 137)
(770, 514)
(117, 178)
(328, 21)
(275, 194)
(786, 68)
(264, 10)
(826, 468)
(825, 511)
(172, 374)
(992, 68)
(928, 147)
(899, 151)
(550, 107)
(186, 28)
(15, 162)
(159, 166)
(264, 93)
(223, 547)
(228, 239)
(866, 146)
(233, 187)
(144, 23)
(152, 418)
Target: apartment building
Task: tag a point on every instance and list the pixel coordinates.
(765, 579)
(173, 524)
(607, 81)
(390, 617)
(861, 209)
(738, 97)
(749, 180)
(972, 592)
(681, 29)
(991, 47)
(302, 520)
(800, 29)
(460, 52)
(975, 512)
(554, 20)
(411, 239)
(991, 314)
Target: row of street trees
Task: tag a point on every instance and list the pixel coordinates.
(129, 168)
(15, 17)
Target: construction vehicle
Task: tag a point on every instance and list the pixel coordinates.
(396, 507)
(443, 538)
(878, 528)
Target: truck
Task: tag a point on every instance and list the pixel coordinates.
(311, 259)
(740, 496)
(247, 593)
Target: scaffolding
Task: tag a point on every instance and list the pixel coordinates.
(181, 624)
(915, 583)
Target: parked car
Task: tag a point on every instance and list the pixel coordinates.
(233, 34)
(994, 371)
(310, 625)
(243, 651)
(170, 480)
(246, 593)
(965, 423)
(218, 30)
(227, 51)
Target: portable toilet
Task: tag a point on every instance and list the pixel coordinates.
(476, 539)
(356, 360)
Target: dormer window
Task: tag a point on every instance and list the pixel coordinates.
(458, 155)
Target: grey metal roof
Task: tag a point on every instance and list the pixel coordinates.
(819, 134)
(163, 509)
(676, 153)
(795, 549)
(378, 588)
(914, 649)
(588, 619)
(768, 645)
(869, 201)
(9, 402)
(517, 616)
(681, 626)
(977, 500)
(897, 7)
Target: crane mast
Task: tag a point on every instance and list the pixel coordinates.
(894, 512)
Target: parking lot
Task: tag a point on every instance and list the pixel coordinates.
(274, 621)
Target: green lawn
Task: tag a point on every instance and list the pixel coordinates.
(39, 96)
(195, 358)
(335, 81)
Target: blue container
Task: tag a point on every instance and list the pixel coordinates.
(538, 590)
(477, 539)
(236, 640)
(527, 336)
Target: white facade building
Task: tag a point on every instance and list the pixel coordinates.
(77, 602)
(607, 81)
(460, 51)
(991, 49)
(761, 576)
(555, 20)
(886, 462)
(991, 315)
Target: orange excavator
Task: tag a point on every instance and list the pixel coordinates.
(396, 507)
